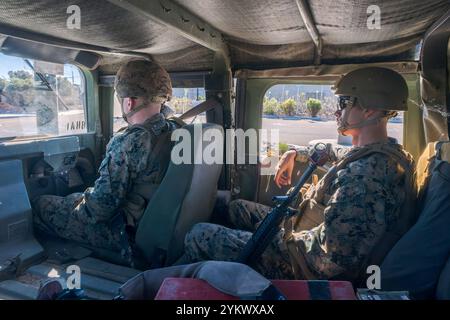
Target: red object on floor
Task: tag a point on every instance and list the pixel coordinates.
(196, 289)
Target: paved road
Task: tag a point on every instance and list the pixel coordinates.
(69, 122)
(300, 132)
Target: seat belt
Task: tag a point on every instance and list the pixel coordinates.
(202, 107)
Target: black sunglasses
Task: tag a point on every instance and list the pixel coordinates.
(344, 102)
(121, 99)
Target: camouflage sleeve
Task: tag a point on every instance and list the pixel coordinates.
(336, 153)
(302, 153)
(354, 222)
(126, 155)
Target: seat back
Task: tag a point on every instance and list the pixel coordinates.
(186, 196)
(443, 286)
(416, 261)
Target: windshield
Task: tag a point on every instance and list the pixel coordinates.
(40, 98)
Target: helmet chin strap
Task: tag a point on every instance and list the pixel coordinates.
(143, 105)
(344, 125)
(136, 109)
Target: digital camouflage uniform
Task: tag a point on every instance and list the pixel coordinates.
(87, 217)
(363, 202)
(91, 217)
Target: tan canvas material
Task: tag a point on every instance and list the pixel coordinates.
(228, 277)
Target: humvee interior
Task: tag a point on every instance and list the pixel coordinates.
(58, 61)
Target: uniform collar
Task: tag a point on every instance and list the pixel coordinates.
(390, 141)
(156, 124)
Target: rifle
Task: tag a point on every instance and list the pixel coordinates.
(271, 224)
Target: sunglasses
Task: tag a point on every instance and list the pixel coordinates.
(121, 99)
(344, 102)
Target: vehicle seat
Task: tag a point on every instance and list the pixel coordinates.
(443, 286)
(186, 196)
(415, 263)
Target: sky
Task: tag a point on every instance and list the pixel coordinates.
(8, 63)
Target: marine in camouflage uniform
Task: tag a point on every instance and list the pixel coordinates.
(88, 217)
(360, 201)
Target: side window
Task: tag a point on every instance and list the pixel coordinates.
(304, 113)
(182, 100)
(40, 98)
(395, 127)
(119, 122)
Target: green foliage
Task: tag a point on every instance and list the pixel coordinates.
(282, 147)
(288, 107)
(2, 84)
(270, 106)
(65, 87)
(313, 106)
(18, 89)
(201, 98)
(19, 84)
(20, 74)
(180, 105)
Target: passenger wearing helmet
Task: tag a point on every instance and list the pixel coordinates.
(129, 173)
(354, 214)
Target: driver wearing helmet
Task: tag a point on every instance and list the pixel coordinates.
(127, 175)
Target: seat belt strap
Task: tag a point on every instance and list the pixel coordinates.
(202, 107)
(177, 120)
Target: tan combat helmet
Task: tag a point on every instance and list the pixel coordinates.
(371, 88)
(142, 78)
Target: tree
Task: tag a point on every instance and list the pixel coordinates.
(313, 106)
(288, 107)
(19, 88)
(20, 74)
(2, 84)
(20, 80)
(270, 106)
(65, 87)
(282, 147)
(180, 105)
